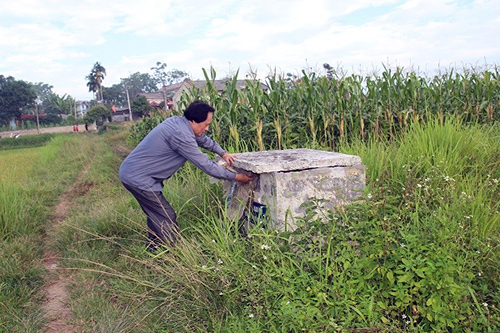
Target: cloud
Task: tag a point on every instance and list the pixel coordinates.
(58, 42)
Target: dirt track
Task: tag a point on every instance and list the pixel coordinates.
(61, 129)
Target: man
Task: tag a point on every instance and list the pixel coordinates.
(160, 154)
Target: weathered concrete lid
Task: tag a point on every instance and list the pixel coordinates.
(292, 160)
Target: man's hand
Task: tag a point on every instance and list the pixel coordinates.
(243, 178)
(229, 158)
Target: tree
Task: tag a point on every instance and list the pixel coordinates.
(97, 113)
(161, 75)
(15, 95)
(141, 106)
(167, 78)
(59, 104)
(114, 95)
(138, 83)
(42, 91)
(94, 80)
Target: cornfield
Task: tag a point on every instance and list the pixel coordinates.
(320, 111)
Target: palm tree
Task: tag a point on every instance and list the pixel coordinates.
(92, 84)
(95, 80)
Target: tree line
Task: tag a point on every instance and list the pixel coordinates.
(19, 97)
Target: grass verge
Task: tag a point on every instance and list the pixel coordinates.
(419, 253)
(31, 181)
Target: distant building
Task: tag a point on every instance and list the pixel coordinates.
(175, 91)
(82, 107)
(123, 114)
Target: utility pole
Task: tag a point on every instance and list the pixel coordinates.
(37, 120)
(128, 102)
(165, 107)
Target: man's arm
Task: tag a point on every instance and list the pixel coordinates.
(209, 144)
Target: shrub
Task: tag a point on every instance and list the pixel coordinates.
(97, 114)
(26, 141)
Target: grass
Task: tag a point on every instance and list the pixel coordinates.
(419, 253)
(26, 141)
(31, 181)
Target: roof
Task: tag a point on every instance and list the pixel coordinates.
(219, 85)
(31, 116)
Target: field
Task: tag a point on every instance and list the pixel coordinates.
(420, 252)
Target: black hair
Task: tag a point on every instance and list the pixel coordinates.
(198, 111)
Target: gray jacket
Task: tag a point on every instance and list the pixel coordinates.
(164, 150)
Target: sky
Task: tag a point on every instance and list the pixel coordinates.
(58, 42)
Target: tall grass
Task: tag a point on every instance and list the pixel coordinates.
(419, 253)
(18, 211)
(31, 181)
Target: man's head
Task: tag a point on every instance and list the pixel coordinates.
(200, 116)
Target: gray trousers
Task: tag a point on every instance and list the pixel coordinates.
(162, 220)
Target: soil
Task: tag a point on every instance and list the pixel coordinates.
(57, 313)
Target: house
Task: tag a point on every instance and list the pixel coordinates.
(82, 107)
(123, 114)
(174, 92)
(156, 98)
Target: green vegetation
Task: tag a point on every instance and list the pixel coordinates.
(420, 252)
(324, 110)
(26, 141)
(31, 181)
(97, 113)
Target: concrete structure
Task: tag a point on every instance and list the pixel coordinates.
(285, 179)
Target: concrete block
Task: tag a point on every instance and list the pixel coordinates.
(285, 179)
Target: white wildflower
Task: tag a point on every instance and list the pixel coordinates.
(219, 261)
(221, 293)
(485, 304)
(479, 274)
(419, 185)
(369, 195)
(403, 316)
(213, 240)
(265, 258)
(250, 315)
(265, 247)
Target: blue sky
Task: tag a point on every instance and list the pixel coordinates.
(57, 42)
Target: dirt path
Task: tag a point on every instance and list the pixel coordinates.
(57, 313)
